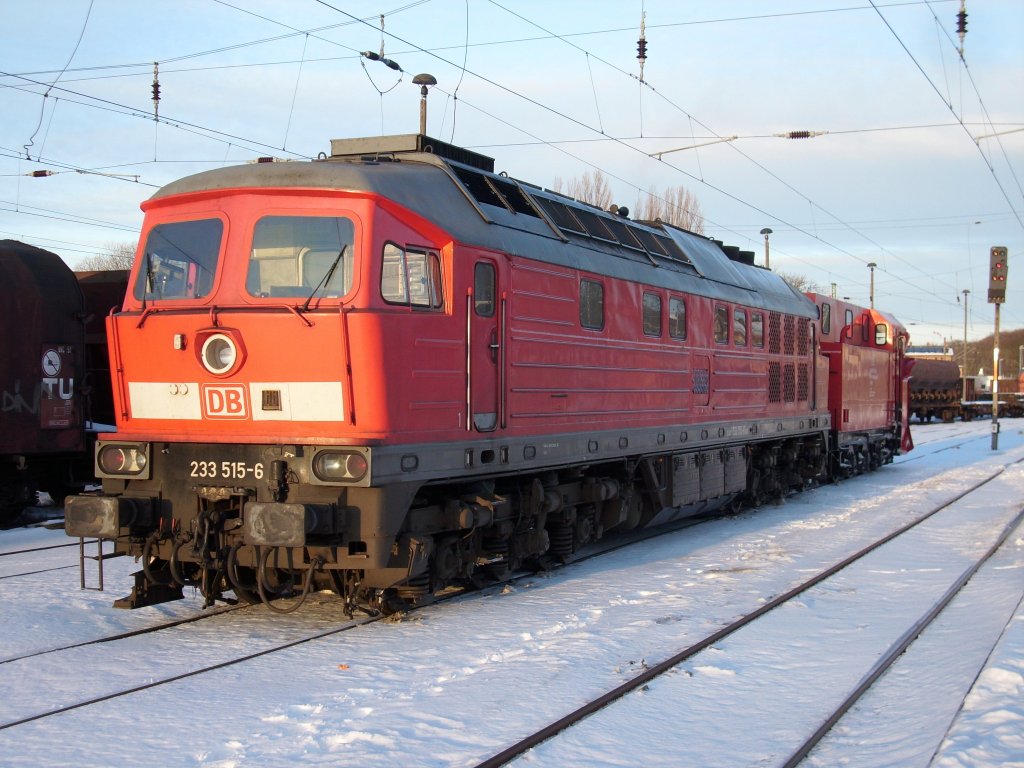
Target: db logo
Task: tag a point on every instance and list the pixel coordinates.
(224, 402)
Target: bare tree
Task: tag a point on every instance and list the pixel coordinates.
(591, 188)
(114, 256)
(678, 206)
(800, 283)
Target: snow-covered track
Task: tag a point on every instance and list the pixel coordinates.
(652, 672)
(209, 614)
(597, 551)
(31, 550)
(902, 643)
(184, 675)
(25, 561)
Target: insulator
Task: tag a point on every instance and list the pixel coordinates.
(39, 174)
(156, 90)
(641, 49)
(392, 64)
(371, 55)
(961, 23)
(799, 134)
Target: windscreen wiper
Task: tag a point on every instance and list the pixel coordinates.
(326, 279)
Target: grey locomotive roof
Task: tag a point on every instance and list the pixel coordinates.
(483, 209)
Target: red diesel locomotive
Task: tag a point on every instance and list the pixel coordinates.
(393, 370)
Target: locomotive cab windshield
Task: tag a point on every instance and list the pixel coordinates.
(179, 260)
(301, 256)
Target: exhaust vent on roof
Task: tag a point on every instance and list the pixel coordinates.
(407, 143)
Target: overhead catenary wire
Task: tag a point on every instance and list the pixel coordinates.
(700, 179)
(716, 188)
(1018, 213)
(818, 226)
(42, 106)
(704, 181)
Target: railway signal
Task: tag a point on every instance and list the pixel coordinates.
(996, 295)
(997, 274)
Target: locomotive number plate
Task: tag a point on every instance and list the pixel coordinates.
(226, 470)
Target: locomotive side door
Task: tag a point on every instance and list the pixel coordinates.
(485, 348)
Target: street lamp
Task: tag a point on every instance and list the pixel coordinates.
(767, 262)
(871, 266)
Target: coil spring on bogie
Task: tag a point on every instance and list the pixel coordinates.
(414, 588)
(495, 545)
(562, 540)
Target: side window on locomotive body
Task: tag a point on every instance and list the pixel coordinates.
(757, 329)
(721, 324)
(848, 323)
(179, 260)
(739, 327)
(592, 305)
(677, 318)
(411, 277)
(652, 314)
(826, 318)
(301, 256)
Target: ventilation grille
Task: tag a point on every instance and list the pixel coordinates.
(789, 383)
(774, 333)
(789, 338)
(774, 382)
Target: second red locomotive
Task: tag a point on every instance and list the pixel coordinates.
(394, 370)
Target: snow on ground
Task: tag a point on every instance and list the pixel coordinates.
(459, 681)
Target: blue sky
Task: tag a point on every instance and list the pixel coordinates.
(908, 175)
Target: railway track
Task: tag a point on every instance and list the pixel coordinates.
(653, 672)
(43, 558)
(125, 635)
(183, 675)
(34, 561)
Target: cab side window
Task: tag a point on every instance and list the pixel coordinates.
(410, 277)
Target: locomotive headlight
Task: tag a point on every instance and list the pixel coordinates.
(219, 354)
(340, 466)
(121, 459)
